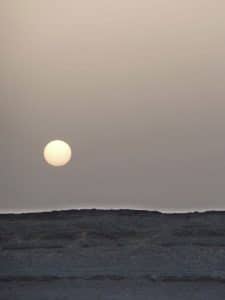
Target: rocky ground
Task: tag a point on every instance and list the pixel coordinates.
(118, 254)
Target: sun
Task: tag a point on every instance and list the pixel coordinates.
(57, 153)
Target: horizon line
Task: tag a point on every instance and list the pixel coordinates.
(160, 211)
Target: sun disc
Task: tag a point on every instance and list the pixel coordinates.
(57, 153)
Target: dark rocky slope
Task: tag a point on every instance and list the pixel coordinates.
(112, 254)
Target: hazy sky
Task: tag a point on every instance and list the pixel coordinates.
(136, 87)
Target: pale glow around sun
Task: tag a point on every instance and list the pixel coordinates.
(57, 153)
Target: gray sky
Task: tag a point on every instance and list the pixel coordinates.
(136, 87)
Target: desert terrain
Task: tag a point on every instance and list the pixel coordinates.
(112, 254)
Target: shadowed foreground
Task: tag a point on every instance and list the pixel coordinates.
(117, 254)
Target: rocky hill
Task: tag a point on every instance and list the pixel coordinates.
(112, 254)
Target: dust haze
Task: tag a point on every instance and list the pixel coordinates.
(135, 87)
